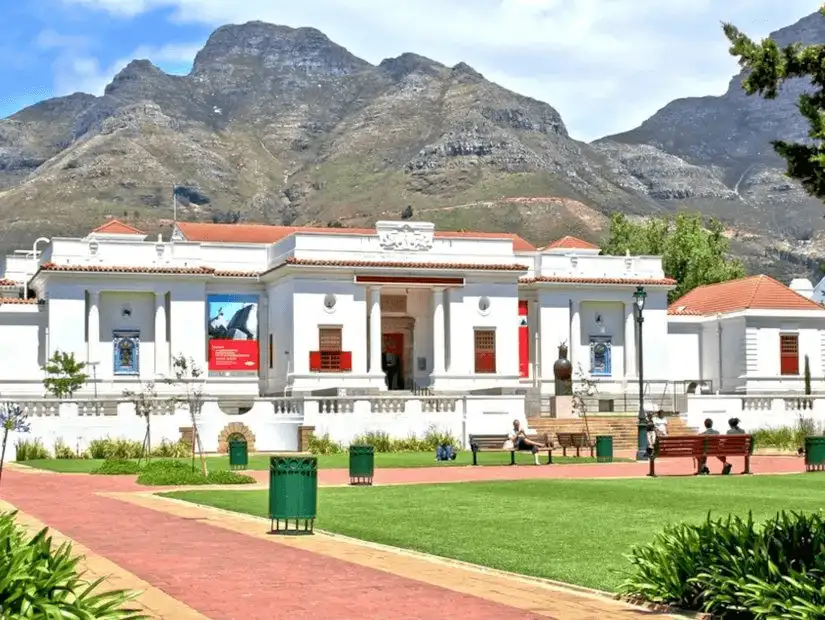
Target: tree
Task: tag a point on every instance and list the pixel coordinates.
(768, 67)
(64, 375)
(145, 402)
(188, 376)
(12, 420)
(692, 254)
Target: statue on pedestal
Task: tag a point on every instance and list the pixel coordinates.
(563, 372)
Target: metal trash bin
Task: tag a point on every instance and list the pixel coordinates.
(293, 493)
(238, 454)
(815, 453)
(361, 465)
(604, 448)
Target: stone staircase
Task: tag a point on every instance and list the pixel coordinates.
(622, 428)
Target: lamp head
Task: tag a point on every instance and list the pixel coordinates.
(640, 295)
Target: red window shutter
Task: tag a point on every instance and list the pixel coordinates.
(345, 365)
(314, 361)
(485, 361)
(789, 354)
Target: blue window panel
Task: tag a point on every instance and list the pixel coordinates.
(601, 356)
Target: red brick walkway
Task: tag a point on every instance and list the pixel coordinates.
(227, 575)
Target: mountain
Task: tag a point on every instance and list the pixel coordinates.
(714, 153)
(282, 125)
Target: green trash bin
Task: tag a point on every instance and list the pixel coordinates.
(604, 448)
(815, 453)
(361, 465)
(293, 493)
(238, 454)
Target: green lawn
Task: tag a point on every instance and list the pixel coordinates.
(577, 531)
(334, 461)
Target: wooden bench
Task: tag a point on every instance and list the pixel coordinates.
(495, 443)
(701, 447)
(575, 440)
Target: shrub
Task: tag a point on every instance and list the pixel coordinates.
(40, 581)
(117, 467)
(323, 445)
(379, 440)
(173, 449)
(178, 473)
(786, 437)
(115, 449)
(31, 450)
(733, 568)
(63, 451)
(435, 438)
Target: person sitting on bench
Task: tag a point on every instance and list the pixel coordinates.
(522, 443)
(703, 461)
(735, 429)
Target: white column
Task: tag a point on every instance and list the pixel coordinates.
(438, 331)
(161, 337)
(534, 341)
(576, 357)
(374, 303)
(93, 327)
(629, 340)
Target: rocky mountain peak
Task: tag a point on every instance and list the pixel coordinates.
(400, 67)
(135, 71)
(277, 48)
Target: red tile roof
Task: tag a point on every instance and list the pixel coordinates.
(15, 300)
(116, 227)
(751, 293)
(626, 281)
(264, 233)
(570, 243)
(195, 271)
(5, 282)
(309, 262)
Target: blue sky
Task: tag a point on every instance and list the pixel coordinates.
(606, 65)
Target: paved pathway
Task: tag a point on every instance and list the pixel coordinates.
(225, 568)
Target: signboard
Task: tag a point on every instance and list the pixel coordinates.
(232, 328)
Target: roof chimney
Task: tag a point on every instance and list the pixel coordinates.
(802, 286)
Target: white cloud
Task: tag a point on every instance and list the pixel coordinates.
(606, 65)
(76, 70)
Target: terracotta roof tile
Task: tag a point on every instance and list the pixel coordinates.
(570, 243)
(752, 293)
(5, 282)
(195, 271)
(116, 227)
(16, 300)
(403, 265)
(626, 281)
(264, 233)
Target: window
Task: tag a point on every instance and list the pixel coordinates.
(270, 350)
(485, 350)
(789, 354)
(330, 357)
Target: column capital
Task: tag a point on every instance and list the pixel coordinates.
(93, 295)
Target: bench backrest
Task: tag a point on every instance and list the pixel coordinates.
(703, 445)
(572, 440)
(494, 441)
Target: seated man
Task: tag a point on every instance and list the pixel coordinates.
(521, 441)
(703, 461)
(735, 429)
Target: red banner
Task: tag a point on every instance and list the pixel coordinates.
(229, 355)
(523, 340)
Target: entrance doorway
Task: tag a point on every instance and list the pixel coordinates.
(392, 360)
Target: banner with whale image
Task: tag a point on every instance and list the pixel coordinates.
(232, 328)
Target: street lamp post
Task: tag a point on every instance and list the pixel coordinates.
(639, 297)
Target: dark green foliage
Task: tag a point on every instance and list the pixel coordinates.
(117, 467)
(768, 68)
(807, 376)
(39, 581)
(733, 568)
(177, 473)
(693, 252)
(190, 194)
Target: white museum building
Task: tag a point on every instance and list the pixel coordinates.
(397, 328)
